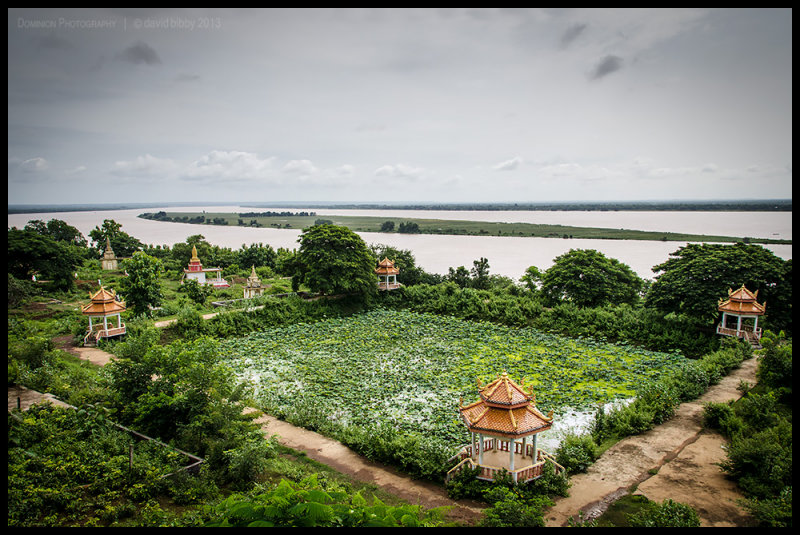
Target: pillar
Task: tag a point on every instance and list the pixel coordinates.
(480, 449)
(511, 444)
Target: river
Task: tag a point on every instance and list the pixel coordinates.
(508, 256)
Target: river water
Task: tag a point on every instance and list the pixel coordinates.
(508, 256)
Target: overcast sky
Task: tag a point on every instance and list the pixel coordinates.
(374, 105)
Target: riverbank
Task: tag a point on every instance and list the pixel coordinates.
(449, 227)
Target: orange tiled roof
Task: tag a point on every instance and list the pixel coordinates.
(104, 303)
(505, 409)
(386, 267)
(742, 301)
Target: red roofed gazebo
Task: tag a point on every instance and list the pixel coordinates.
(105, 304)
(500, 423)
(387, 275)
(743, 305)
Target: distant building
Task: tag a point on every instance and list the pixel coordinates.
(209, 276)
(105, 304)
(109, 262)
(742, 305)
(253, 287)
(387, 275)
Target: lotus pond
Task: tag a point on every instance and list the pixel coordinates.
(408, 370)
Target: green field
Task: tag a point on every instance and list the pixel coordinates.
(444, 226)
(408, 371)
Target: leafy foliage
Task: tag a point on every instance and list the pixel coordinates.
(697, 275)
(65, 466)
(335, 260)
(142, 287)
(309, 504)
(588, 278)
(667, 514)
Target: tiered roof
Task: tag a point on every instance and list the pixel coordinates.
(742, 302)
(253, 281)
(104, 303)
(505, 409)
(386, 267)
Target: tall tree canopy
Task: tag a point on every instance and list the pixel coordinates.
(334, 259)
(588, 278)
(32, 253)
(697, 275)
(123, 243)
(141, 287)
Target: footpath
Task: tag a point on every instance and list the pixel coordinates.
(676, 460)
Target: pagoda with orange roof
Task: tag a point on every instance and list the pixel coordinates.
(387, 275)
(500, 423)
(105, 304)
(743, 305)
(209, 276)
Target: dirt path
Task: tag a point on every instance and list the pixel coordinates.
(676, 460)
(683, 453)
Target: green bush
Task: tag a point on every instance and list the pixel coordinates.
(576, 453)
(668, 514)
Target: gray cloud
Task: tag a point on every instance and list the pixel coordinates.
(606, 66)
(139, 53)
(571, 34)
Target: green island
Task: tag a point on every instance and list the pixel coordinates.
(301, 220)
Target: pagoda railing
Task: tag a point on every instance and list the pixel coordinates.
(488, 473)
(389, 285)
(98, 333)
(745, 332)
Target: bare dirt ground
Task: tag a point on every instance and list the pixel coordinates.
(676, 460)
(685, 457)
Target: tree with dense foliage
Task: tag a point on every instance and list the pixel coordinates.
(124, 244)
(142, 287)
(33, 254)
(335, 260)
(588, 278)
(258, 255)
(480, 274)
(58, 230)
(696, 276)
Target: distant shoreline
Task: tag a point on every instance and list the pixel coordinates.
(410, 225)
(745, 205)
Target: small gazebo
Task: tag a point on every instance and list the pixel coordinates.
(209, 276)
(105, 304)
(253, 287)
(500, 424)
(387, 275)
(743, 305)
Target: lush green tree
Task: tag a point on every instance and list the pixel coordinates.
(460, 276)
(184, 394)
(335, 260)
(58, 230)
(480, 274)
(195, 291)
(588, 278)
(697, 276)
(257, 254)
(387, 226)
(142, 288)
(124, 244)
(31, 253)
(532, 279)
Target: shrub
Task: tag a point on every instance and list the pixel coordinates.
(576, 453)
(668, 514)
